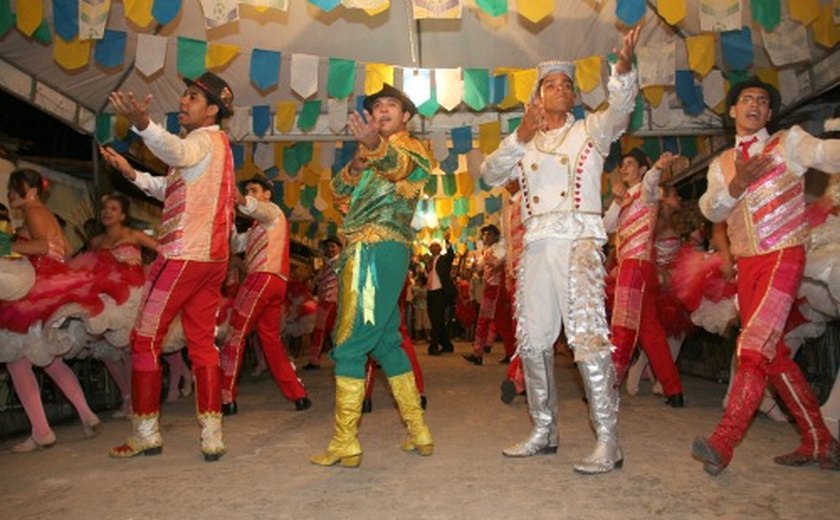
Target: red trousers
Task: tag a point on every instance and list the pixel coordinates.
(496, 295)
(324, 322)
(258, 304)
(634, 318)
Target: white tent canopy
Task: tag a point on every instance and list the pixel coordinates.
(575, 30)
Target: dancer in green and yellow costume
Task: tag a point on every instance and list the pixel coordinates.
(382, 183)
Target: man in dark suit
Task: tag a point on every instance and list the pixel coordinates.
(440, 293)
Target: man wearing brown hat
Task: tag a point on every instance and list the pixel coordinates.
(558, 162)
(186, 278)
(632, 216)
(757, 187)
(258, 304)
(383, 183)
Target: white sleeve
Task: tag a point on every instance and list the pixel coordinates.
(605, 126)
(153, 186)
(263, 212)
(499, 166)
(716, 204)
(238, 242)
(650, 185)
(174, 151)
(806, 151)
(611, 217)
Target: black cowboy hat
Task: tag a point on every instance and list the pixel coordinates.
(754, 82)
(391, 92)
(217, 91)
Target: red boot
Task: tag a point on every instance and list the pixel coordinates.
(145, 399)
(208, 382)
(818, 446)
(744, 398)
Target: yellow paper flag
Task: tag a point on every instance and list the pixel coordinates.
(489, 136)
(284, 119)
(523, 84)
(375, 10)
(535, 10)
(804, 11)
(770, 76)
(510, 96)
(443, 206)
(465, 184)
(291, 193)
(138, 11)
(672, 10)
(375, 75)
(654, 94)
(701, 53)
(588, 73)
(826, 32)
(121, 126)
(30, 14)
(219, 55)
(311, 175)
(629, 141)
(71, 55)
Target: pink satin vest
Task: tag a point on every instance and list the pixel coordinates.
(636, 224)
(267, 250)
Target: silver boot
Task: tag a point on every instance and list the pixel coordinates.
(598, 374)
(542, 406)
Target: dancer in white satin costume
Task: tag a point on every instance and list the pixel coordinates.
(558, 162)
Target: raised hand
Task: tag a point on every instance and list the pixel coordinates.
(532, 122)
(365, 129)
(625, 54)
(749, 171)
(118, 162)
(665, 160)
(136, 111)
(619, 190)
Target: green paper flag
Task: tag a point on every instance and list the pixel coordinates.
(493, 7)
(688, 146)
(7, 17)
(42, 33)
(737, 76)
(304, 151)
(651, 147)
(431, 106)
(341, 78)
(476, 88)
(307, 196)
(103, 128)
(430, 188)
(309, 114)
(450, 185)
(291, 161)
(191, 57)
(767, 13)
(638, 116)
(513, 124)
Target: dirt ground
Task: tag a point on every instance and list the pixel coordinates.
(266, 474)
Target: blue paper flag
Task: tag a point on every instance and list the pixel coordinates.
(493, 205)
(164, 11)
(498, 88)
(579, 112)
(238, 151)
(110, 50)
(325, 5)
(172, 124)
(270, 172)
(360, 104)
(690, 94)
(630, 11)
(450, 164)
(66, 18)
(671, 144)
(265, 68)
(737, 47)
(462, 141)
(260, 119)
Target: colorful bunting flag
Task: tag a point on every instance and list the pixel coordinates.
(337, 114)
(150, 55)
(535, 10)
(263, 5)
(341, 77)
(417, 85)
(73, 54)
(673, 11)
(461, 139)
(448, 87)
(630, 11)
(489, 137)
(523, 84)
(309, 114)
(492, 7)
(30, 14)
(239, 125)
(304, 79)
(476, 88)
(260, 119)
(191, 57)
(804, 11)
(720, 15)
(436, 9)
(66, 18)
(110, 50)
(376, 75)
(701, 53)
(220, 54)
(7, 18)
(737, 48)
(164, 11)
(714, 89)
(139, 12)
(691, 95)
(93, 17)
(826, 30)
(265, 68)
(587, 73)
(787, 44)
(767, 13)
(219, 12)
(656, 65)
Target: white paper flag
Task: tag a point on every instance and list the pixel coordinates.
(656, 65)
(239, 125)
(788, 86)
(304, 71)
(594, 97)
(661, 115)
(787, 44)
(474, 159)
(280, 5)
(720, 15)
(93, 17)
(150, 55)
(364, 4)
(219, 12)
(448, 87)
(264, 155)
(326, 158)
(713, 90)
(439, 147)
(337, 114)
(417, 85)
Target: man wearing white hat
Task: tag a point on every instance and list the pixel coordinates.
(558, 162)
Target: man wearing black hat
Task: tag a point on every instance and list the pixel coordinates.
(382, 183)
(187, 276)
(258, 304)
(632, 216)
(757, 187)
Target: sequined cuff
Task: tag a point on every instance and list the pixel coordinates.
(377, 153)
(348, 178)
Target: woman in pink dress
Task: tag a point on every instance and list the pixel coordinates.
(27, 326)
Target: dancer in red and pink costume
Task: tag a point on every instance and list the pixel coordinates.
(259, 301)
(187, 276)
(28, 334)
(632, 215)
(326, 287)
(757, 187)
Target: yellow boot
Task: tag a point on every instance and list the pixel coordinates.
(344, 447)
(408, 399)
